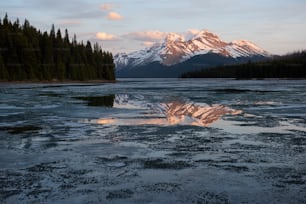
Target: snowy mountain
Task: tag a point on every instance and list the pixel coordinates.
(176, 49)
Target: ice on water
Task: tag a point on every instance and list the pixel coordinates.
(154, 141)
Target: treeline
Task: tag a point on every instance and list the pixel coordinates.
(28, 54)
(288, 66)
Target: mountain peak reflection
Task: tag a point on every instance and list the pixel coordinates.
(169, 113)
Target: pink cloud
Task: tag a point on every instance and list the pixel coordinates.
(106, 7)
(147, 36)
(105, 36)
(114, 16)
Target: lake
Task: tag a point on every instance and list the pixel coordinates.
(154, 141)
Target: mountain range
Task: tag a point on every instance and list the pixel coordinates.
(178, 54)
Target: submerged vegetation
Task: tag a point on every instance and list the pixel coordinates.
(27, 54)
(288, 66)
(21, 129)
(103, 101)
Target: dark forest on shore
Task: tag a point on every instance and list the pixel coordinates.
(27, 54)
(287, 66)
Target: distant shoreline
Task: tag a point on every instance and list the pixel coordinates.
(58, 82)
(248, 79)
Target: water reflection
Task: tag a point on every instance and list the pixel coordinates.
(193, 114)
(177, 112)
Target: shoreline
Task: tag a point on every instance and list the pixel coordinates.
(60, 82)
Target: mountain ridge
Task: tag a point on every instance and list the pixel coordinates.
(177, 49)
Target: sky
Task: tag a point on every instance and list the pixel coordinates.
(278, 26)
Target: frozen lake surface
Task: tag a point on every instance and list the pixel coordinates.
(154, 141)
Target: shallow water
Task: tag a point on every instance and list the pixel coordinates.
(154, 141)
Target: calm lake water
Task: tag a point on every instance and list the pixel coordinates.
(154, 141)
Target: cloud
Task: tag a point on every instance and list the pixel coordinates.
(106, 7)
(148, 44)
(111, 15)
(114, 16)
(147, 36)
(190, 33)
(193, 31)
(105, 36)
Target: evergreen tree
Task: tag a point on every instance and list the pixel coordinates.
(5, 20)
(52, 32)
(66, 38)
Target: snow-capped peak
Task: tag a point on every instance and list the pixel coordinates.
(177, 48)
(173, 37)
(205, 34)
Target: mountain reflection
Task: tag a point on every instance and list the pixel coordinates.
(168, 113)
(193, 114)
